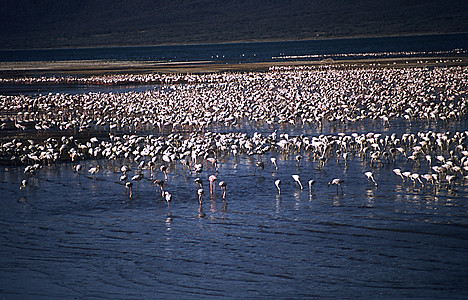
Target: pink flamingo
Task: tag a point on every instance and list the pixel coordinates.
(160, 183)
(168, 198)
(223, 186)
(164, 170)
(128, 186)
(214, 163)
(212, 180)
(200, 195)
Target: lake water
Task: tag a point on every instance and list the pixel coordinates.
(426, 45)
(67, 235)
(70, 236)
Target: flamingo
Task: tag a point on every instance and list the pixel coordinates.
(124, 177)
(128, 186)
(311, 184)
(429, 160)
(428, 178)
(370, 177)
(198, 168)
(200, 195)
(345, 158)
(93, 171)
(151, 167)
(164, 170)
(137, 178)
(125, 169)
(214, 163)
(212, 180)
(168, 198)
(160, 184)
(450, 179)
(337, 182)
(199, 182)
(398, 173)
(200, 209)
(298, 180)
(77, 168)
(278, 184)
(273, 161)
(407, 174)
(223, 185)
(298, 159)
(24, 183)
(415, 177)
(260, 165)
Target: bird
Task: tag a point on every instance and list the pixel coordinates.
(163, 169)
(77, 168)
(337, 182)
(345, 158)
(151, 169)
(93, 171)
(311, 184)
(137, 178)
(200, 195)
(212, 180)
(415, 177)
(160, 184)
(128, 186)
(214, 163)
(198, 168)
(124, 177)
(370, 177)
(298, 159)
(199, 182)
(450, 179)
(278, 184)
(428, 178)
(298, 180)
(168, 198)
(24, 183)
(273, 161)
(125, 169)
(260, 165)
(200, 208)
(222, 185)
(398, 173)
(406, 174)
(429, 160)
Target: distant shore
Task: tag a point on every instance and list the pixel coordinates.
(102, 67)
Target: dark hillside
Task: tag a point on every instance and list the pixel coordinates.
(71, 23)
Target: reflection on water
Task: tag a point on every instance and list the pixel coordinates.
(95, 241)
(370, 193)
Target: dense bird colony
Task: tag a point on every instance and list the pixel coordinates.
(211, 115)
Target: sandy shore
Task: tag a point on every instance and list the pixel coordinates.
(101, 67)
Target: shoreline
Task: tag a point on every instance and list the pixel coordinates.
(251, 41)
(83, 68)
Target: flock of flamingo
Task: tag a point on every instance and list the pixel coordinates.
(248, 114)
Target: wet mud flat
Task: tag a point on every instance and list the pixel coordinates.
(102, 67)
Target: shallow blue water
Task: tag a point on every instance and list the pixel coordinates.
(253, 52)
(68, 236)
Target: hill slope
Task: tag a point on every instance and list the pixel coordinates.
(71, 23)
